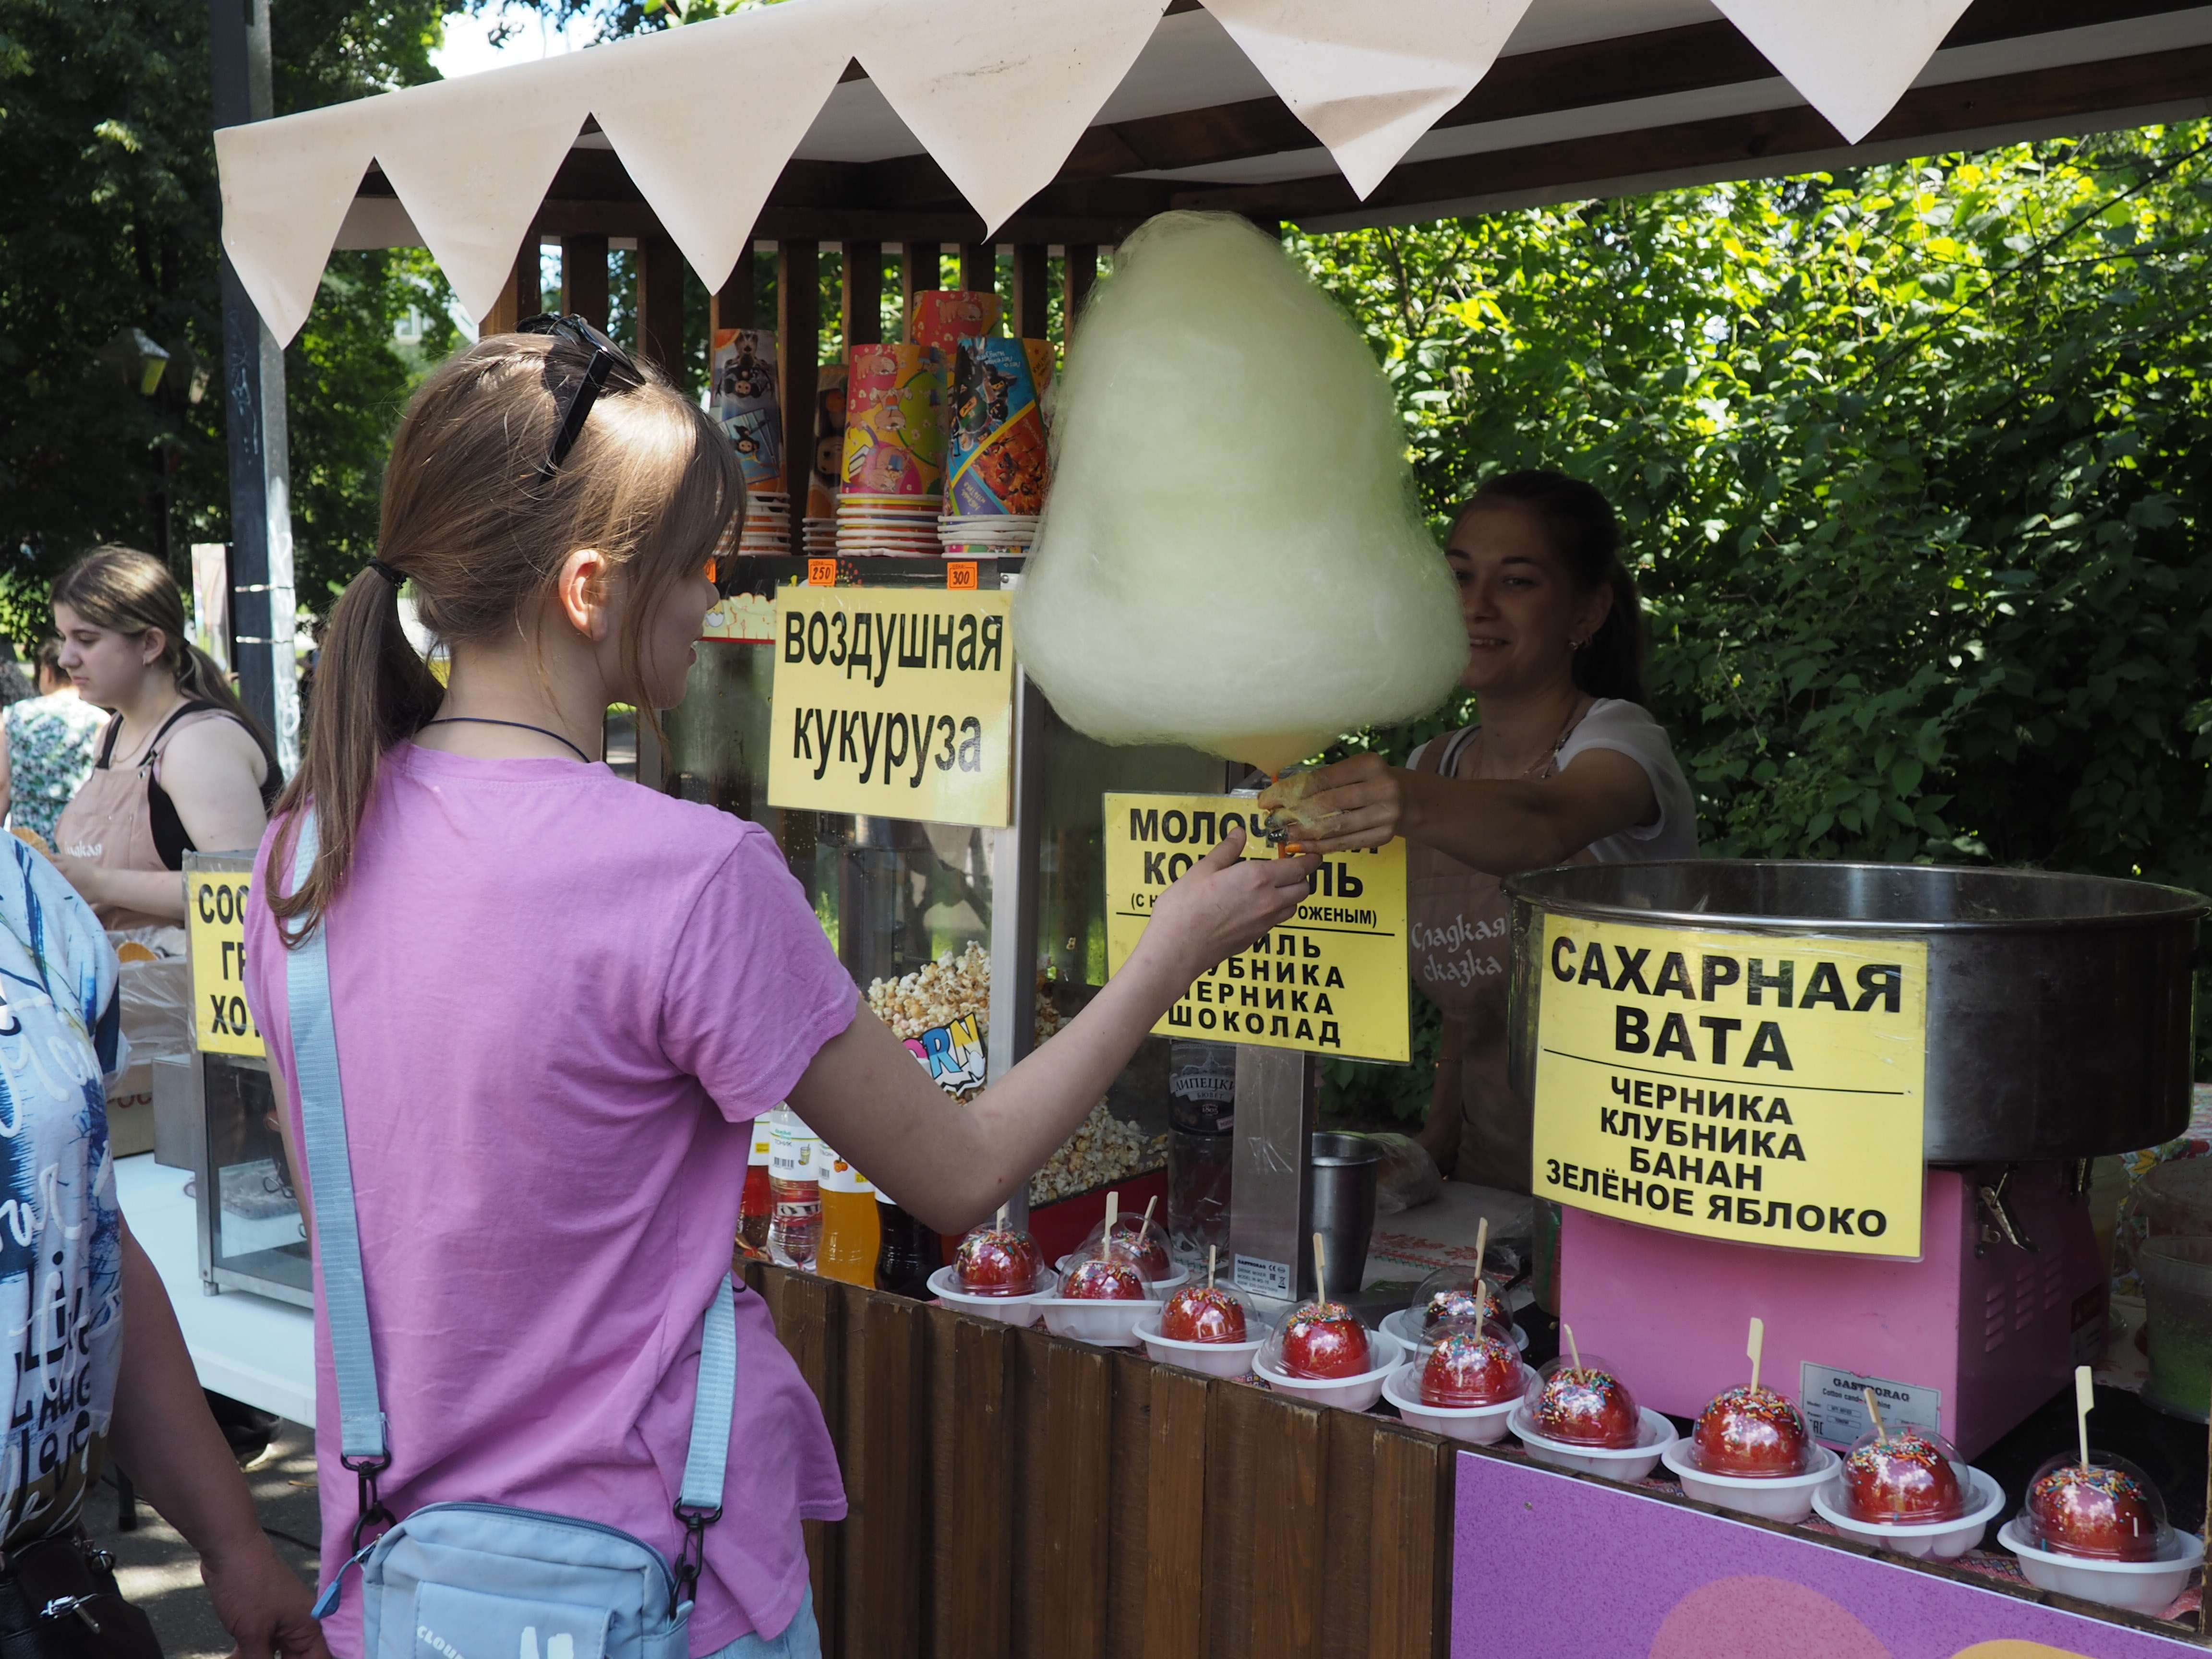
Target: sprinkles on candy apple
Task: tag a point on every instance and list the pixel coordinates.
(1584, 1406)
(1109, 1276)
(998, 1260)
(2098, 1511)
(1904, 1479)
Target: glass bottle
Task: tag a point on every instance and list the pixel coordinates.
(794, 1232)
(909, 1253)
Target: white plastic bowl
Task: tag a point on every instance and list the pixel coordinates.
(1105, 1324)
(1405, 1325)
(944, 1285)
(1481, 1425)
(1770, 1496)
(1352, 1393)
(1231, 1359)
(1654, 1437)
(1943, 1540)
(2147, 1586)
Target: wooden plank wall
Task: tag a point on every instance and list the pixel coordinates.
(1012, 1495)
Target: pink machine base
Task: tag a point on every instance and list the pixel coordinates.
(1994, 1335)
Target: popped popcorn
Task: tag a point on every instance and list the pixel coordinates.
(1102, 1150)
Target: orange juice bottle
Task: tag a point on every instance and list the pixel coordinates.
(850, 1232)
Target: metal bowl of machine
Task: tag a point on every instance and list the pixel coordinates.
(2058, 1006)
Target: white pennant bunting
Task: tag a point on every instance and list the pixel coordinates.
(1851, 61)
(707, 175)
(470, 159)
(286, 187)
(1370, 78)
(1000, 92)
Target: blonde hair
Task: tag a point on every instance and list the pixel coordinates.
(131, 592)
(480, 533)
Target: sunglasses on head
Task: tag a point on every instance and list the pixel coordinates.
(608, 361)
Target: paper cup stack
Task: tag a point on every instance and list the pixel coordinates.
(741, 397)
(767, 533)
(894, 456)
(995, 462)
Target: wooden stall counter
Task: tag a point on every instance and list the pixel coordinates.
(1012, 1493)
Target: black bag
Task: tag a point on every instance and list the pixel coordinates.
(58, 1600)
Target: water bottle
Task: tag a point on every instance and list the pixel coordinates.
(794, 1185)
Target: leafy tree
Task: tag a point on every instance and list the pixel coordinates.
(108, 221)
(1914, 464)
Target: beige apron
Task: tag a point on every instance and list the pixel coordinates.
(108, 821)
(1456, 940)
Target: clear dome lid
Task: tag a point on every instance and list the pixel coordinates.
(1905, 1476)
(1208, 1313)
(995, 1261)
(1584, 1404)
(1448, 1294)
(1320, 1341)
(1136, 1238)
(1103, 1275)
(2107, 1511)
(1751, 1432)
(1465, 1364)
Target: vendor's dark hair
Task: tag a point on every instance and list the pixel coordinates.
(1584, 532)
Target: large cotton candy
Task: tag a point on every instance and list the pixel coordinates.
(1231, 556)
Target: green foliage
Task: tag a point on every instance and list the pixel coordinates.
(109, 217)
(1914, 465)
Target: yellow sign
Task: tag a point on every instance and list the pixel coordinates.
(894, 701)
(1758, 1088)
(215, 940)
(1332, 980)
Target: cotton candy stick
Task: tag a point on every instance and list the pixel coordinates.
(1481, 1254)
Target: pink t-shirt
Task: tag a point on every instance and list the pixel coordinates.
(560, 998)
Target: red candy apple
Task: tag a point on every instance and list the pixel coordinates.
(1585, 1406)
(1202, 1313)
(1143, 1247)
(1904, 1480)
(997, 1261)
(1467, 1368)
(1751, 1432)
(2105, 1513)
(1098, 1280)
(1323, 1340)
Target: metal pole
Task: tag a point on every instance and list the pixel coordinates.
(261, 601)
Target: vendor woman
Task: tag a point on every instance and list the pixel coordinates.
(1564, 766)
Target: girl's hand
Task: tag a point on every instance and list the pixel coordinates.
(1360, 802)
(83, 874)
(1223, 902)
(264, 1605)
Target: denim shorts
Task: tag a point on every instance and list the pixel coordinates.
(800, 1639)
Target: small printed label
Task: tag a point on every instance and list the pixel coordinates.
(1834, 1403)
(960, 575)
(822, 573)
(839, 1176)
(1261, 1277)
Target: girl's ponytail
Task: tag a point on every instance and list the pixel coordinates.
(372, 691)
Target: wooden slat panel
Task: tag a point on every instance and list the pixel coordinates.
(885, 1464)
(1032, 309)
(918, 272)
(518, 298)
(971, 1498)
(734, 303)
(1409, 1553)
(584, 278)
(1129, 1478)
(661, 304)
(1076, 1520)
(1345, 1524)
(1288, 1493)
(1032, 1624)
(1175, 1515)
(798, 350)
(979, 268)
(1078, 272)
(1234, 1428)
(862, 318)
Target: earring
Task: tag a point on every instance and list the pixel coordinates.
(1577, 645)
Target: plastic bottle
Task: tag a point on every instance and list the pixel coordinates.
(909, 1252)
(794, 1165)
(755, 1205)
(849, 1232)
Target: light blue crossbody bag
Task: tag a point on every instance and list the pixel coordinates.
(483, 1581)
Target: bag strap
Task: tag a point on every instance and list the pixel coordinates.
(364, 1447)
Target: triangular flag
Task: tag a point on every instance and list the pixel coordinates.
(286, 187)
(1369, 79)
(769, 72)
(1000, 92)
(1851, 62)
(472, 159)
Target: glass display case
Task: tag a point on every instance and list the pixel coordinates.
(916, 909)
(252, 1234)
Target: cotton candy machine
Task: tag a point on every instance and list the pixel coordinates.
(1855, 1100)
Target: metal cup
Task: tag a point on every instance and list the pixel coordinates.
(1343, 1208)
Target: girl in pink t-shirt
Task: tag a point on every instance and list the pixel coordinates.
(560, 998)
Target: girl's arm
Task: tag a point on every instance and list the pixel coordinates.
(212, 772)
(950, 1165)
(1501, 826)
(162, 1436)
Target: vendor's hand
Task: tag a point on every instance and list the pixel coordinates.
(265, 1606)
(83, 874)
(1224, 902)
(1360, 802)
